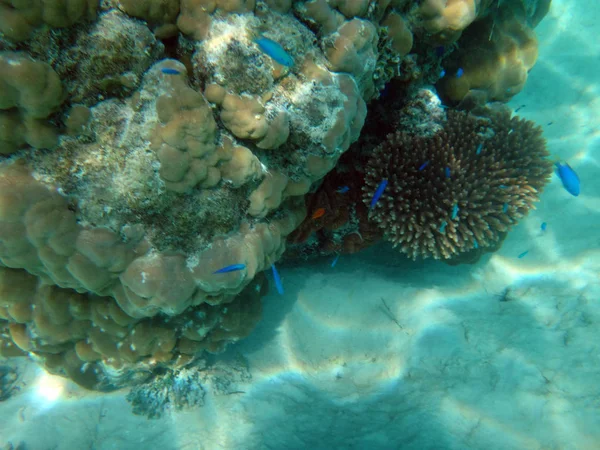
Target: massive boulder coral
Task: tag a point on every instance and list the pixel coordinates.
(29, 92)
(494, 56)
(459, 190)
(18, 19)
(91, 340)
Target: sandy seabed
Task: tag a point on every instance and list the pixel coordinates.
(383, 353)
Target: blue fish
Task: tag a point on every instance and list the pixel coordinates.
(342, 189)
(454, 211)
(502, 186)
(569, 178)
(543, 226)
(479, 148)
(231, 268)
(334, 262)
(170, 71)
(378, 192)
(523, 254)
(447, 172)
(505, 207)
(442, 73)
(459, 72)
(475, 245)
(277, 279)
(423, 165)
(443, 226)
(274, 50)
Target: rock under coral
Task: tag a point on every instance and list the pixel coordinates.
(460, 189)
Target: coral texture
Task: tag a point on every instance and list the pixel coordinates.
(460, 189)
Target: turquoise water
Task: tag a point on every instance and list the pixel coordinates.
(378, 351)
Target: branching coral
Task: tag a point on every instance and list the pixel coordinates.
(460, 189)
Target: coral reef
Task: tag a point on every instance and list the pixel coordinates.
(460, 189)
(146, 145)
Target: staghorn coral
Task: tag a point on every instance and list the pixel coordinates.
(481, 177)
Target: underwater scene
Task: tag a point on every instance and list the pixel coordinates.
(299, 224)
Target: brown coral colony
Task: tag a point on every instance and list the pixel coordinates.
(460, 189)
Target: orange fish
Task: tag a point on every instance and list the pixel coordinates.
(318, 213)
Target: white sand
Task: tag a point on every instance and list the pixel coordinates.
(460, 369)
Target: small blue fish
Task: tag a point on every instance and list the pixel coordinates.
(423, 165)
(443, 226)
(523, 254)
(479, 148)
(442, 73)
(334, 262)
(475, 245)
(170, 71)
(569, 178)
(447, 172)
(502, 186)
(459, 72)
(274, 50)
(277, 279)
(505, 207)
(454, 211)
(231, 268)
(378, 192)
(543, 226)
(342, 189)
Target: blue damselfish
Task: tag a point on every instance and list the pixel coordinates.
(378, 192)
(277, 279)
(231, 268)
(274, 50)
(569, 178)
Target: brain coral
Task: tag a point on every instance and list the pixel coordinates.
(460, 189)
